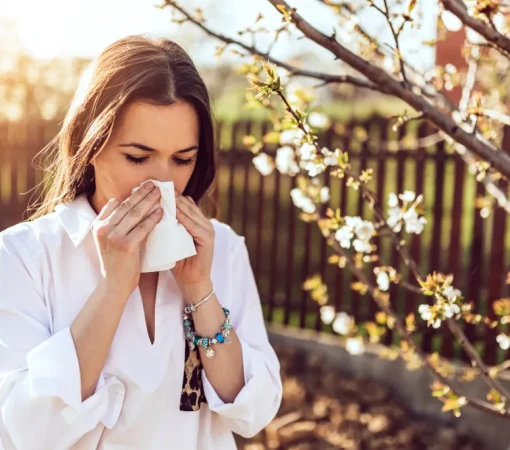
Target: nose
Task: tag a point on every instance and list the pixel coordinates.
(162, 174)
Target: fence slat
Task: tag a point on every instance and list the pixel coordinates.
(437, 225)
(246, 188)
(382, 126)
(454, 250)
(274, 247)
(411, 302)
(290, 258)
(260, 216)
(475, 266)
(496, 275)
(20, 142)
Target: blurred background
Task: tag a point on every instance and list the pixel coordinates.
(44, 49)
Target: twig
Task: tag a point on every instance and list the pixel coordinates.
(411, 264)
(384, 306)
(396, 35)
(501, 42)
(327, 78)
(391, 86)
(498, 159)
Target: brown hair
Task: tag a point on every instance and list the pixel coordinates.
(134, 68)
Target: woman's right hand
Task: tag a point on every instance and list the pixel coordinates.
(119, 230)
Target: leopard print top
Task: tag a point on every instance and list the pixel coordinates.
(192, 392)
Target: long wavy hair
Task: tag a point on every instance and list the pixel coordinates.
(134, 68)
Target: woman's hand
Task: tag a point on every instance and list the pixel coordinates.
(193, 274)
(119, 230)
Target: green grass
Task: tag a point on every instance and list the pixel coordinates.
(229, 107)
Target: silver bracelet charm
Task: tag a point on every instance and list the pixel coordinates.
(193, 307)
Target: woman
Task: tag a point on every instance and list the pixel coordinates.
(94, 354)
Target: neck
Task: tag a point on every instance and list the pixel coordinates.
(97, 202)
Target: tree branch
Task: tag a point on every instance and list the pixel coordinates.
(326, 78)
(501, 42)
(385, 306)
(411, 264)
(497, 158)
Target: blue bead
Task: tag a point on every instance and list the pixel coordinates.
(205, 342)
(196, 340)
(227, 326)
(226, 311)
(219, 337)
(187, 323)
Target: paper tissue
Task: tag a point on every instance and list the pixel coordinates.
(169, 241)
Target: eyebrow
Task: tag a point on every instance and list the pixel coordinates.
(149, 149)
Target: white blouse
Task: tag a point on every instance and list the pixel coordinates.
(48, 269)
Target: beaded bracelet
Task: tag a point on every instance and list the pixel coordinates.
(220, 338)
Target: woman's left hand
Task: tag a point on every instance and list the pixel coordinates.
(194, 272)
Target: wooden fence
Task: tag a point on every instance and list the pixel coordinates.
(285, 250)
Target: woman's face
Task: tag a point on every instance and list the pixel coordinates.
(147, 141)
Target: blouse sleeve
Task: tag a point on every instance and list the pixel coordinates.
(259, 400)
(41, 405)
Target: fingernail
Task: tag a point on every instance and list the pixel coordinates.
(149, 185)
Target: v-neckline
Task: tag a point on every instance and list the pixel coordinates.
(139, 300)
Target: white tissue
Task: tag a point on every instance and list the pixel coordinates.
(169, 241)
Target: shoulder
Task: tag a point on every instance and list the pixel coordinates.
(29, 239)
(226, 238)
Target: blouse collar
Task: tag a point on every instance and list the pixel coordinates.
(77, 217)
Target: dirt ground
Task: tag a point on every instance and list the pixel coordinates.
(323, 410)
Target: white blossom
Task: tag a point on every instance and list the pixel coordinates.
(451, 310)
(361, 246)
(353, 221)
(474, 37)
(383, 280)
(307, 151)
(503, 341)
(318, 120)
(300, 135)
(399, 216)
(324, 194)
(285, 161)
(365, 230)
(327, 314)
(287, 136)
(451, 294)
(424, 311)
(292, 89)
(331, 160)
(313, 168)
(344, 236)
(414, 223)
(308, 206)
(451, 21)
(394, 220)
(355, 346)
(342, 323)
(407, 196)
(355, 226)
(263, 163)
(393, 200)
(301, 201)
(500, 22)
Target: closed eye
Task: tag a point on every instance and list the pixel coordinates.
(178, 161)
(136, 160)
